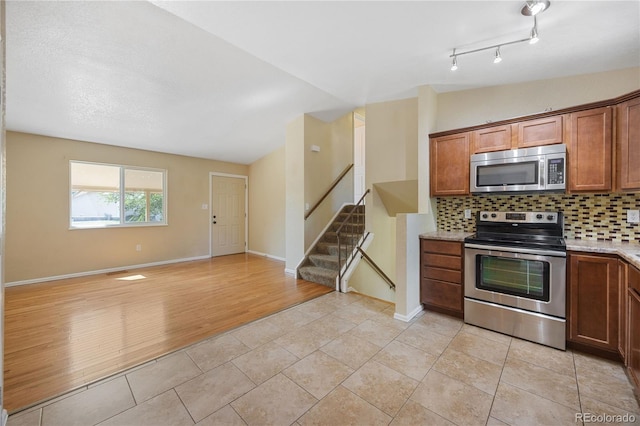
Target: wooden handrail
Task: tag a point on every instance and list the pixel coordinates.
(376, 268)
(326, 194)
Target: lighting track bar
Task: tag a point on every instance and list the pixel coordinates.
(495, 46)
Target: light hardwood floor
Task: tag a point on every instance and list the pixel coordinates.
(64, 334)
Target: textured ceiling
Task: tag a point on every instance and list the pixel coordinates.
(221, 80)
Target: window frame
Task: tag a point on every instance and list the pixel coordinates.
(121, 190)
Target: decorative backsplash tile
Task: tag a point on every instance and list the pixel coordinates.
(586, 216)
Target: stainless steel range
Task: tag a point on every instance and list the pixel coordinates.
(515, 280)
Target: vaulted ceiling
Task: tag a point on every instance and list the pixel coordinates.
(221, 79)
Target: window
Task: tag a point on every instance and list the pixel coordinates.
(104, 195)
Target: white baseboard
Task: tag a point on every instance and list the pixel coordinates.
(103, 271)
(407, 318)
(257, 253)
(293, 272)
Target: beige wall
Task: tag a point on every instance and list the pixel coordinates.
(294, 189)
(267, 203)
(473, 107)
(39, 243)
(391, 155)
(335, 140)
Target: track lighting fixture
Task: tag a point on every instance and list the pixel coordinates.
(497, 59)
(454, 63)
(533, 38)
(531, 8)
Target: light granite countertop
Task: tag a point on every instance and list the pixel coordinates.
(446, 235)
(627, 251)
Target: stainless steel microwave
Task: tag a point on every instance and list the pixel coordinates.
(542, 168)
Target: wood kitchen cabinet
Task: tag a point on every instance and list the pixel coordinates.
(491, 139)
(543, 131)
(593, 300)
(623, 284)
(589, 150)
(628, 145)
(441, 276)
(524, 134)
(449, 165)
(633, 305)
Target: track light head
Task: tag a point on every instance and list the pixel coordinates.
(497, 59)
(454, 63)
(534, 36)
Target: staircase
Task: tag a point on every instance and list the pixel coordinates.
(321, 264)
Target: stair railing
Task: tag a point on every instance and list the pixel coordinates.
(376, 268)
(350, 235)
(326, 194)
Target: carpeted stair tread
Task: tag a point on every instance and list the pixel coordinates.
(324, 260)
(324, 247)
(319, 275)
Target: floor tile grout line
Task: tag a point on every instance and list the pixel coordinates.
(495, 394)
(575, 371)
(185, 406)
(541, 396)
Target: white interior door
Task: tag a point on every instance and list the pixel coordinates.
(228, 215)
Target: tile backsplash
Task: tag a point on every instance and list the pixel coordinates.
(586, 216)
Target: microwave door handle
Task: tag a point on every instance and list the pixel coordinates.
(542, 173)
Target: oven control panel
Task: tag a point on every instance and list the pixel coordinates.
(518, 217)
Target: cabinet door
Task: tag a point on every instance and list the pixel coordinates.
(633, 359)
(441, 276)
(449, 165)
(628, 145)
(544, 131)
(590, 150)
(623, 275)
(492, 139)
(593, 296)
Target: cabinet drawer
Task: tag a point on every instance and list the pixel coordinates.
(444, 295)
(442, 261)
(443, 275)
(442, 247)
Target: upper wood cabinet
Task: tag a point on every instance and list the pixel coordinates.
(543, 131)
(590, 150)
(449, 161)
(525, 134)
(628, 146)
(593, 300)
(492, 139)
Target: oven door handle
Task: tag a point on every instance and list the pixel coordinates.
(518, 250)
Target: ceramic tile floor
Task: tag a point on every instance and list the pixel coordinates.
(342, 359)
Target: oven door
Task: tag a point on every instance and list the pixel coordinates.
(529, 279)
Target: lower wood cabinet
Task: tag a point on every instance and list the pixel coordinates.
(633, 325)
(593, 300)
(441, 276)
(633, 360)
(623, 280)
